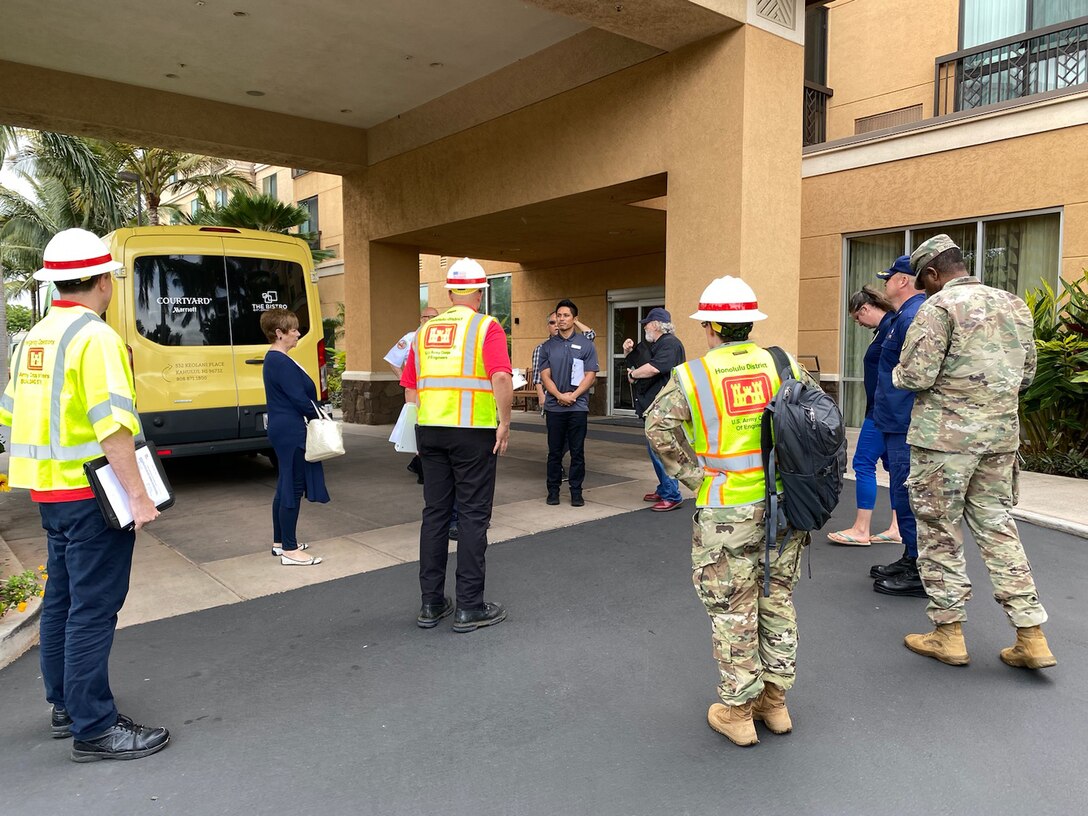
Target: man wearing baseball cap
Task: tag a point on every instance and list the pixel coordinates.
(71, 399)
(968, 354)
(458, 374)
(891, 416)
(649, 365)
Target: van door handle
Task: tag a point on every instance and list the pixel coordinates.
(255, 361)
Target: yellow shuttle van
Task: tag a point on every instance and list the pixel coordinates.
(188, 304)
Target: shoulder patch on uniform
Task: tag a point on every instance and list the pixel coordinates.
(401, 344)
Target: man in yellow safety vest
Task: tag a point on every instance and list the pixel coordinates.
(70, 400)
(458, 373)
(705, 426)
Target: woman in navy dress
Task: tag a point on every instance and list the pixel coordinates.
(868, 309)
(290, 394)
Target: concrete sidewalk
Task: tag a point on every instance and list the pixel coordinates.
(212, 547)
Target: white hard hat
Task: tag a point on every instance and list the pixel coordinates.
(75, 254)
(466, 274)
(729, 300)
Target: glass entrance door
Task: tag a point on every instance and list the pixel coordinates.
(624, 320)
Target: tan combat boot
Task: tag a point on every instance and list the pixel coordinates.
(1030, 650)
(770, 707)
(734, 722)
(945, 643)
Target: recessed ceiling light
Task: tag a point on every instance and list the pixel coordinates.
(171, 76)
(255, 93)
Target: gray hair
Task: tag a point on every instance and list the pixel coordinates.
(663, 326)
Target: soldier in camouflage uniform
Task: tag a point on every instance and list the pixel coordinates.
(968, 353)
(705, 427)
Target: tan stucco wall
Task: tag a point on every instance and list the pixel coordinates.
(711, 116)
(881, 56)
(1026, 173)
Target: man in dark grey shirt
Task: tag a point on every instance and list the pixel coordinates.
(568, 369)
(649, 365)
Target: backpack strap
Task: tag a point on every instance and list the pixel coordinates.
(782, 363)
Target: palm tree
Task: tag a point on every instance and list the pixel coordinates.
(162, 172)
(259, 212)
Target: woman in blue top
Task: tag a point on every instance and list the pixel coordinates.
(868, 308)
(291, 398)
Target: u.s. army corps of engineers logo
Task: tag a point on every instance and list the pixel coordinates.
(746, 395)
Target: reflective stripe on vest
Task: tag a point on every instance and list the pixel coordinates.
(727, 391)
(27, 456)
(451, 379)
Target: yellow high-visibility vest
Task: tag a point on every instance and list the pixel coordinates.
(71, 387)
(727, 390)
(452, 382)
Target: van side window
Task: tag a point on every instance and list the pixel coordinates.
(181, 300)
(257, 284)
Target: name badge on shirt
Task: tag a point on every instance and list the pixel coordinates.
(574, 346)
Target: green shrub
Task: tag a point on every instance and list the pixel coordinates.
(1054, 409)
(17, 590)
(336, 377)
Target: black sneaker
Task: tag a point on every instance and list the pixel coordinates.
(469, 620)
(431, 614)
(562, 474)
(125, 740)
(61, 724)
(576, 500)
(905, 583)
(904, 564)
(553, 498)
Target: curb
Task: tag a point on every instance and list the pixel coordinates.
(18, 630)
(1051, 523)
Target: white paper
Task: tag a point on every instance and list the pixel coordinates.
(577, 371)
(518, 377)
(403, 436)
(116, 494)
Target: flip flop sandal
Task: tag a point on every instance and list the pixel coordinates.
(882, 538)
(846, 540)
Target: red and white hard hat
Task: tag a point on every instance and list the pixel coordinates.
(729, 300)
(75, 254)
(466, 274)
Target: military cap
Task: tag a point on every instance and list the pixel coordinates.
(928, 250)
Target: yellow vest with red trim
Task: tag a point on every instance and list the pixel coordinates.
(71, 387)
(727, 390)
(451, 379)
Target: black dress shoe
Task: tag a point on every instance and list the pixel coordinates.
(61, 725)
(125, 740)
(431, 614)
(576, 500)
(905, 583)
(904, 564)
(553, 498)
(468, 620)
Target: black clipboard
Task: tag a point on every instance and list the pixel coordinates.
(110, 495)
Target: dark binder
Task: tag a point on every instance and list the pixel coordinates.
(110, 494)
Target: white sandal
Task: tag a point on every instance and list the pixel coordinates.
(277, 549)
(291, 562)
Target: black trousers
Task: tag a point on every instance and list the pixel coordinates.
(566, 429)
(458, 465)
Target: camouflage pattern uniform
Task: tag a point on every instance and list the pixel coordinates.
(968, 354)
(755, 638)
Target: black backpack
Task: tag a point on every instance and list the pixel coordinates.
(804, 443)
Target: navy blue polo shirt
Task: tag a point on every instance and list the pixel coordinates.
(891, 405)
(558, 355)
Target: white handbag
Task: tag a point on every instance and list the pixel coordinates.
(324, 437)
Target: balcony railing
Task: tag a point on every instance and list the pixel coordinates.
(816, 97)
(1046, 59)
